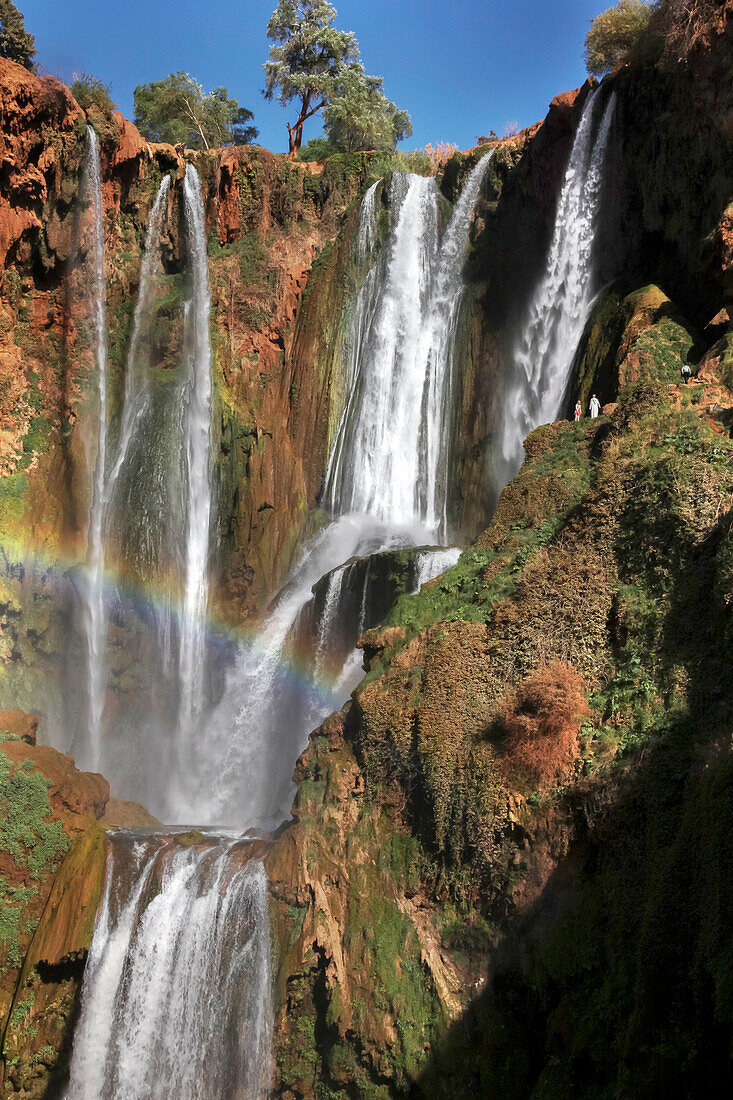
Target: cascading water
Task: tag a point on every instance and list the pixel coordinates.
(386, 482)
(136, 387)
(93, 613)
(563, 300)
(392, 449)
(176, 996)
(151, 509)
(374, 465)
(197, 429)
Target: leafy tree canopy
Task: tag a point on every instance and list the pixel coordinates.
(360, 116)
(15, 42)
(176, 110)
(318, 66)
(614, 34)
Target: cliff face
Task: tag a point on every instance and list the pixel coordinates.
(267, 219)
(457, 910)
(433, 864)
(460, 912)
(52, 855)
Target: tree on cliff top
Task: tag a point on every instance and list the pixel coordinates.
(360, 116)
(176, 110)
(614, 34)
(306, 60)
(318, 66)
(15, 42)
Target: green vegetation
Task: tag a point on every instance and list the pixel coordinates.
(615, 34)
(360, 116)
(318, 66)
(91, 91)
(317, 149)
(25, 833)
(177, 110)
(15, 42)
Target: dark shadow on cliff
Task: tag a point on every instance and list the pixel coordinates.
(619, 981)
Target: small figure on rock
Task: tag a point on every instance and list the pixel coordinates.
(578, 410)
(685, 372)
(594, 407)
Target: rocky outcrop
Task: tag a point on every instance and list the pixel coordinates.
(502, 903)
(445, 913)
(52, 860)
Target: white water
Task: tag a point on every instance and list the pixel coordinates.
(197, 433)
(176, 995)
(136, 383)
(562, 301)
(93, 590)
(383, 483)
(429, 564)
(392, 449)
(158, 490)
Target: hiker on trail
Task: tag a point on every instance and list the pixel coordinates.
(594, 408)
(578, 410)
(685, 372)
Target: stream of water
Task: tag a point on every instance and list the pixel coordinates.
(176, 995)
(176, 998)
(536, 385)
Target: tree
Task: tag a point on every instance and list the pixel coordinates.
(15, 42)
(307, 59)
(614, 34)
(176, 110)
(360, 116)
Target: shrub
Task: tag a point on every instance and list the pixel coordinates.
(417, 161)
(541, 720)
(683, 24)
(614, 35)
(440, 153)
(90, 91)
(317, 149)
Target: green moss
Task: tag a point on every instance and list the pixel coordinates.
(13, 489)
(190, 839)
(13, 902)
(25, 832)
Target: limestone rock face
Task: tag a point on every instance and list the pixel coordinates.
(52, 853)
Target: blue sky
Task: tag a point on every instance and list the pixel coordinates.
(460, 67)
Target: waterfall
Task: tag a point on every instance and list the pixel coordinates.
(563, 299)
(135, 380)
(93, 594)
(91, 751)
(386, 483)
(176, 994)
(429, 564)
(392, 448)
(197, 432)
(229, 762)
(437, 350)
(373, 468)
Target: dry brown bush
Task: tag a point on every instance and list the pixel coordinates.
(440, 153)
(686, 24)
(541, 720)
